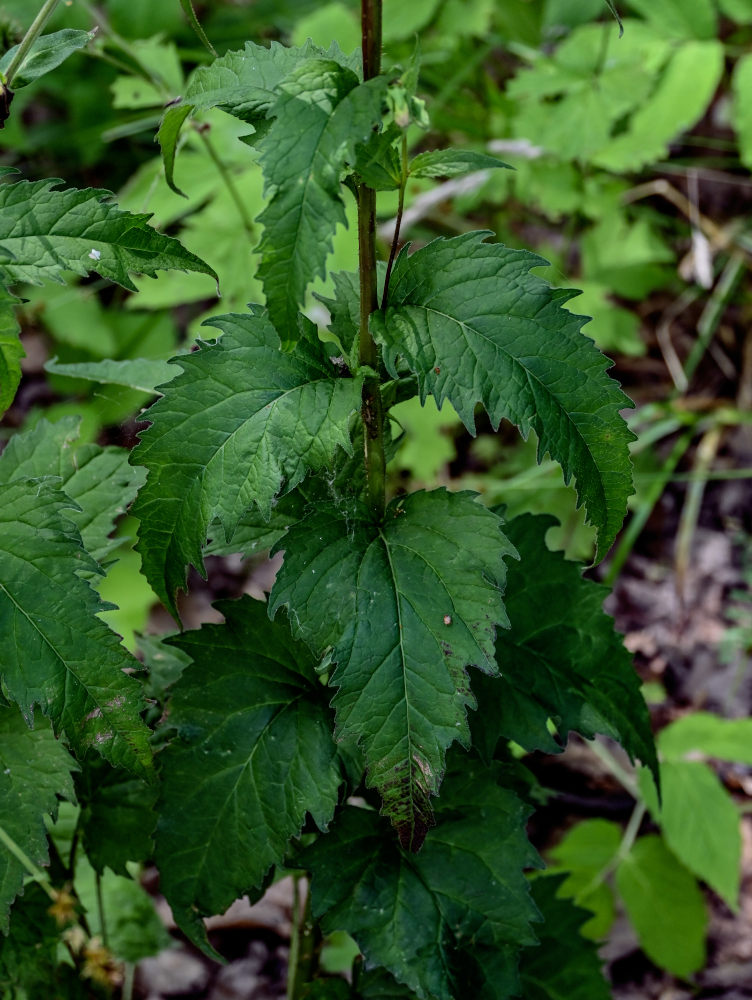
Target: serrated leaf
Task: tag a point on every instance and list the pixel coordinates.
(99, 480)
(54, 651)
(344, 310)
(403, 609)
(142, 374)
(46, 54)
(117, 817)
(665, 905)
(451, 162)
(241, 422)
(245, 83)
(564, 964)
(438, 919)
(700, 824)
(322, 114)
(475, 326)
(253, 755)
(378, 984)
(11, 349)
(34, 770)
(45, 232)
(377, 161)
(560, 659)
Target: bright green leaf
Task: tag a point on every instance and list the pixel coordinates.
(741, 108)
(143, 374)
(34, 770)
(322, 114)
(700, 823)
(665, 905)
(451, 162)
(239, 423)
(54, 651)
(700, 733)
(561, 658)
(585, 852)
(253, 755)
(45, 232)
(672, 109)
(475, 326)
(403, 610)
(449, 914)
(678, 19)
(47, 53)
(738, 10)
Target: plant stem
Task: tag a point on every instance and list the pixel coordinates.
(397, 224)
(372, 409)
(229, 183)
(36, 28)
(100, 913)
(292, 964)
(34, 870)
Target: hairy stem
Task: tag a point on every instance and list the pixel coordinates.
(36, 28)
(372, 409)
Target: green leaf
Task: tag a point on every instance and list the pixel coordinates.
(143, 374)
(585, 852)
(451, 162)
(117, 817)
(665, 905)
(46, 54)
(738, 10)
(678, 19)
(34, 770)
(11, 349)
(245, 83)
(475, 326)
(741, 108)
(378, 984)
(190, 13)
(612, 7)
(134, 929)
(442, 919)
(322, 114)
(701, 733)
(44, 233)
(241, 422)
(560, 659)
(402, 609)
(700, 823)
(54, 651)
(99, 480)
(253, 755)
(377, 161)
(672, 109)
(564, 964)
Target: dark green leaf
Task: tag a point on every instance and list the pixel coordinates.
(47, 53)
(253, 755)
(440, 921)
(117, 817)
(403, 610)
(564, 965)
(34, 770)
(475, 326)
(323, 112)
(560, 659)
(378, 984)
(612, 7)
(377, 161)
(54, 651)
(98, 479)
(11, 349)
(44, 232)
(665, 905)
(451, 162)
(239, 423)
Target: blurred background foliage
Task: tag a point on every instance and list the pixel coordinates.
(631, 178)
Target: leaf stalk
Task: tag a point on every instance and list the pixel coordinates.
(35, 30)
